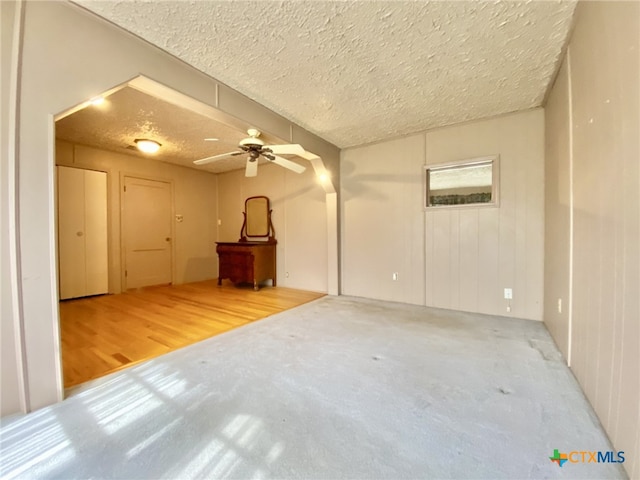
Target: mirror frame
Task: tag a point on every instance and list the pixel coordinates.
(269, 233)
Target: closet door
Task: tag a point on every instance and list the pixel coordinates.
(95, 237)
(71, 257)
(82, 232)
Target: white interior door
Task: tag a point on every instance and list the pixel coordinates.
(95, 233)
(71, 257)
(82, 232)
(147, 212)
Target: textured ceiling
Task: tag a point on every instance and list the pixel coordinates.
(357, 72)
(129, 114)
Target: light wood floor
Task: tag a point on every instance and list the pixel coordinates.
(107, 333)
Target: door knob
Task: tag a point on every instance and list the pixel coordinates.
(168, 239)
(79, 234)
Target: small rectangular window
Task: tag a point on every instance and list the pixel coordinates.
(464, 183)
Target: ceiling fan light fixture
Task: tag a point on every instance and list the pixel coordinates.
(256, 148)
(146, 145)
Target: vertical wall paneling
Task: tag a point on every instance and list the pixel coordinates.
(382, 220)
(454, 259)
(429, 275)
(593, 179)
(558, 212)
(468, 254)
(333, 249)
(605, 83)
(440, 266)
(497, 247)
(508, 236)
(518, 176)
(488, 261)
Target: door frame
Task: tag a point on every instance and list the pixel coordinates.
(172, 213)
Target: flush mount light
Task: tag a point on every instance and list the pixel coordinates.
(97, 101)
(147, 146)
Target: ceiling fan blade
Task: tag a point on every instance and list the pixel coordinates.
(291, 149)
(293, 166)
(204, 161)
(252, 168)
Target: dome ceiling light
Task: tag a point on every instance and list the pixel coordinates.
(147, 146)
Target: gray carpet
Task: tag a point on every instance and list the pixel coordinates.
(337, 388)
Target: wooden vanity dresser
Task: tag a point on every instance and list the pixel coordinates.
(253, 258)
(247, 262)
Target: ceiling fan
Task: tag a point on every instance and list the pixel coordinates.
(255, 148)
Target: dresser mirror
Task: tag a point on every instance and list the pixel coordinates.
(253, 258)
(257, 220)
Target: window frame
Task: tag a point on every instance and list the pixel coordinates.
(495, 181)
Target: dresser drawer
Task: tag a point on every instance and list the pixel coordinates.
(246, 262)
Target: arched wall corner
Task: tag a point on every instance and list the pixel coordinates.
(332, 220)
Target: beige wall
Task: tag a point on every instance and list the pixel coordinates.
(597, 99)
(194, 197)
(66, 57)
(299, 217)
(473, 254)
(383, 220)
(558, 214)
(457, 258)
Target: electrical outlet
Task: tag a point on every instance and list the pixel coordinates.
(219, 222)
(286, 275)
(559, 305)
(394, 276)
(508, 294)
